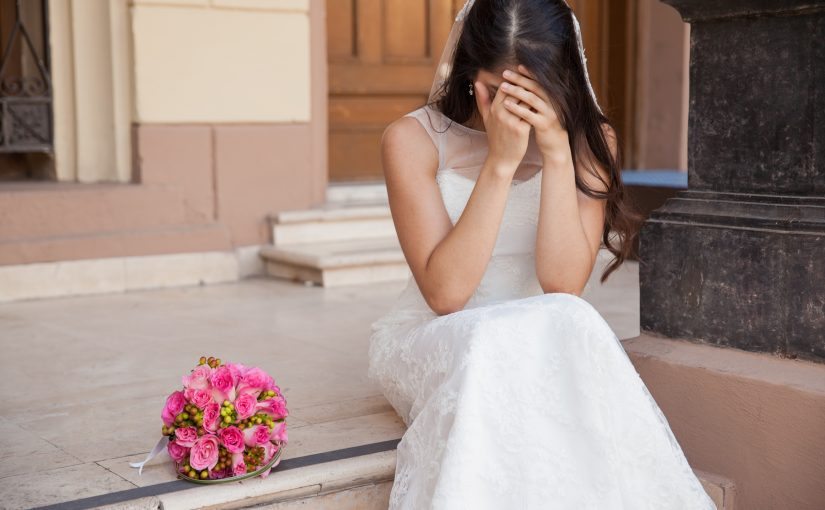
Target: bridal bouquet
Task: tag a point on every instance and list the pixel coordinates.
(227, 423)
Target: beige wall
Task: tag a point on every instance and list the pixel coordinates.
(117, 62)
(201, 61)
(661, 87)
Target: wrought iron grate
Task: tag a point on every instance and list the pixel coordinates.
(25, 83)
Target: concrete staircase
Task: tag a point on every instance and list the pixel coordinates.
(360, 482)
(349, 240)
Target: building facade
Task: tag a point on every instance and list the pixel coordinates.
(163, 133)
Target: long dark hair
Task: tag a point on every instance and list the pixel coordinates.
(540, 34)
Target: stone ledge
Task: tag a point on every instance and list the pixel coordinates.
(122, 274)
(762, 368)
(338, 254)
(330, 213)
(121, 243)
(286, 485)
(754, 419)
(370, 476)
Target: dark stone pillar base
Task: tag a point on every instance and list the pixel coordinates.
(739, 258)
(739, 270)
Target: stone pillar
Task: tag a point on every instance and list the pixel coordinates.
(738, 259)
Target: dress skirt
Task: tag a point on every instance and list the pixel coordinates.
(529, 403)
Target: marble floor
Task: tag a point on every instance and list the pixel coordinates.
(83, 379)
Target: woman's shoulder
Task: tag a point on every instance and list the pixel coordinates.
(414, 124)
(410, 134)
(408, 140)
(431, 119)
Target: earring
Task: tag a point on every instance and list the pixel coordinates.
(470, 89)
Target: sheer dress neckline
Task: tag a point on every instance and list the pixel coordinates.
(462, 149)
(481, 134)
(457, 124)
(514, 183)
(466, 128)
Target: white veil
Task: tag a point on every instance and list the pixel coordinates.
(445, 62)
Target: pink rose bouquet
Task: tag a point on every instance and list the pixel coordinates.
(228, 421)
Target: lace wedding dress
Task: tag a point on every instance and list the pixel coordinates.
(522, 400)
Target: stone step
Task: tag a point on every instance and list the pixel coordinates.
(373, 191)
(331, 223)
(721, 490)
(360, 482)
(332, 264)
(332, 212)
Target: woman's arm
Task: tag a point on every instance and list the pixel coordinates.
(570, 225)
(449, 261)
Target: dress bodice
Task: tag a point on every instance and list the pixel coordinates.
(510, 273)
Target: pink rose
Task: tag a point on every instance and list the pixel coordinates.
(223, 384)
(237, 370)
(279, 432)
(177, 451)
(232, 439)
(257, 435)
(255, 381)
(275, 407)
(201, 398)
(199, 378)
(211, 416)
(204, 453)
(238, 464)
(186, 436)
(245, 405)
(174, 406)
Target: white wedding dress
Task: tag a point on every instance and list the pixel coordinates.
(522, 400)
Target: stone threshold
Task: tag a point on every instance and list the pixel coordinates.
(122, 274)
(251, 492)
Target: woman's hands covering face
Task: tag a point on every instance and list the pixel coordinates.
(531, 103)
(507, 132)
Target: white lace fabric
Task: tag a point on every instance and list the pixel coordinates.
(522, 399)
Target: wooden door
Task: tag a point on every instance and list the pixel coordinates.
(382, 57)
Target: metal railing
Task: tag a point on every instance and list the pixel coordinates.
(25, 84)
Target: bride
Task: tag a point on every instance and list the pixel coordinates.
(515, 391)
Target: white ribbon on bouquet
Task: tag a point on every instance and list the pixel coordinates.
(162, 442)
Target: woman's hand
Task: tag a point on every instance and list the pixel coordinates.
(535, 108)
(507, 133)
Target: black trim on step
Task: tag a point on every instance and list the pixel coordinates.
(179, 485)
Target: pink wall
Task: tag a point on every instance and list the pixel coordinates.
(196, 187)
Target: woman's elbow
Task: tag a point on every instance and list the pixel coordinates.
(443, 303)
(553, 287)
